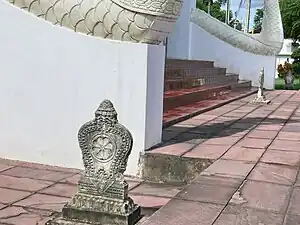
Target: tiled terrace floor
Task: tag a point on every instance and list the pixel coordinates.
(254, 180)
(31, 193)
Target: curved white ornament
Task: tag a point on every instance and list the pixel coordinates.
(140, 21)
(269, 42)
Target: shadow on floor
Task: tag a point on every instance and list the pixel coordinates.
(198, 134)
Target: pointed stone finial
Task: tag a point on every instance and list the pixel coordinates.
(260, 98)
(102, 196)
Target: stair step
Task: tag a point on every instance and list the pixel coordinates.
(181, 113)
(183, 63)
(173, 99)
(190, 82)
(179, 73)
(242, 84)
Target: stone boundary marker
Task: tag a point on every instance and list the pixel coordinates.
(102, 196)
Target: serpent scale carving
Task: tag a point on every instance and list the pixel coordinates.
(269, 42)
(140, 21)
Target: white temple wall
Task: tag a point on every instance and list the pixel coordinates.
(206, 47)
(179, 40)
(53, 79)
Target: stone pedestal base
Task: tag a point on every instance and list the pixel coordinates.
(71, 216)
(260, 100)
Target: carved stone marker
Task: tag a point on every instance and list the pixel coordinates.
(260, 98)
(102, 196)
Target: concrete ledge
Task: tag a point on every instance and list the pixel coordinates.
(170, 168)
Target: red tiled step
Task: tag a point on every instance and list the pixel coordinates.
(181, 63)
(181, 113)
(174, 99)
(191, 81)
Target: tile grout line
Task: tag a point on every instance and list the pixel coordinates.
(245, 179)
(33, 193)
(293, 185)
(243, 136)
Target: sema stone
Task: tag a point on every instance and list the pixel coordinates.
(102, 196)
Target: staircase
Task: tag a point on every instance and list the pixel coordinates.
(192, 85)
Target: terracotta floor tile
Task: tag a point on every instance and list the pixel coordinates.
(218, 181)
(46, 202)
(281, 157)
(244, 126)
(262, 134)
(291, 128)
(2, 206)
(207, 151)
(25, 184)
(290, 136)
(243, 154)
(298, 180)
(268, 127)
(292, 220)
(4, 167)
(190, 138)
(279, 174)
(49, 167)
(161, 190)
(179, 212)
(19, 216)
(233, 133)
(233, 115)
(132, 184)
(229, 168)
(193, 122)
(64, 190)
(36, 173)
(11, 162)
(222, 140)
(149, 201)
(294, 207)
(205, 117)
(245, 216)
(8, 196)
(173, 149)
(254, 143)
(72, 180)
(265, 196)
(284, 145)
(207, 193)
(168, 135)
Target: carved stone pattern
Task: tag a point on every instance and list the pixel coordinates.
(269, 42)
(120, 160)
(106, 205)
(136, 21)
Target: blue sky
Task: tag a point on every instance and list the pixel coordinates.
(255, 4)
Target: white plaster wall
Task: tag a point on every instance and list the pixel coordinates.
(206, 47)
(52, 80)
(179, 40)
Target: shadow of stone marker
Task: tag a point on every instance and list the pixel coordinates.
(102, 195)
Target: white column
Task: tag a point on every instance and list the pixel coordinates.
(179, 40)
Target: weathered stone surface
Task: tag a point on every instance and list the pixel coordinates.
(261, 98)
(102, 196)
(170, 168)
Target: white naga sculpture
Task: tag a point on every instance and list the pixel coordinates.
(141, 21)
(151, 21)
(269, 42)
